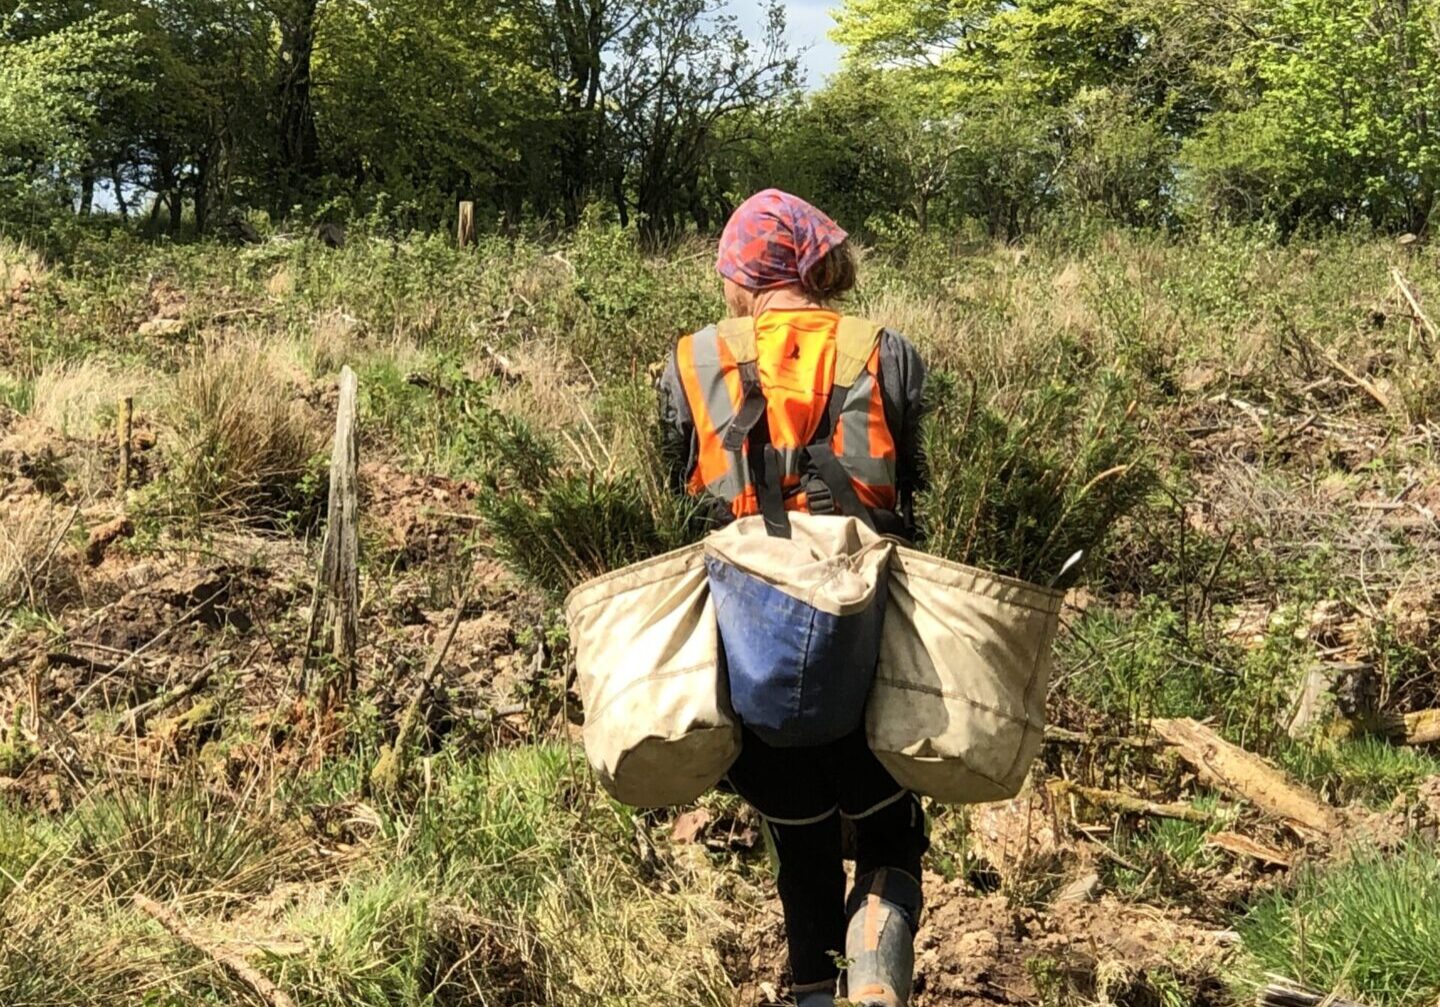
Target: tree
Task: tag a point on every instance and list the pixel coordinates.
(681, 71)
(52, 80)
(1335, 117)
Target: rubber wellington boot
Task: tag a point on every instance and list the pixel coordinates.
(880, 942)
(823, 997)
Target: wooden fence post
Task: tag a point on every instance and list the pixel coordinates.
(337, 582)
(465, 225)
(124, 422)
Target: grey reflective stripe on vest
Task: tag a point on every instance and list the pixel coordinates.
(855, 422)
(705, 345)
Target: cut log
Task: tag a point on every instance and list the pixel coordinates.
(1126, 804)
(1235, 771)
(227, 959)
(336, 598)
(465, 224)
(1244, 846)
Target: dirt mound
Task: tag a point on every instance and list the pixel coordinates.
(416, 518)
(984, 950)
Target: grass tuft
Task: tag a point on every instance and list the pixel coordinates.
(1367, 928)
(237, 439)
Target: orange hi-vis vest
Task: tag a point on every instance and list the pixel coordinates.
(821, 398)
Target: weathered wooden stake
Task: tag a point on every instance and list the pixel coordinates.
(123, 425)
(465, 224)
(337, 582)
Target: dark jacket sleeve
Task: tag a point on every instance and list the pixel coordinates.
(902, 378)
(677, 429)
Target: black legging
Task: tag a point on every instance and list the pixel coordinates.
(803, 793)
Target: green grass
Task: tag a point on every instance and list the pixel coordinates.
(1371, 771)
(1172, 855)
(502, 879)
(1368, 928)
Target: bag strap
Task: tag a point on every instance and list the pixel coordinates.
(855, 343)
(738, 335)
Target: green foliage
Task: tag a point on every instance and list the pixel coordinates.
(1342, 126)
(1019, 488)
(49, 115)
(579, 526)
(1366, 928)
(1369, 770)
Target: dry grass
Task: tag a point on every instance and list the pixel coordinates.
(35, 561)
(79, 398)
(237, 438)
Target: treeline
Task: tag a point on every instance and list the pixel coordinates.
(1007, 115)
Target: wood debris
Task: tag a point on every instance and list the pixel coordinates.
(1112, 800)
(1244, 846)
(1237, 772)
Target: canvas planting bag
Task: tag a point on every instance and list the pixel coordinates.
(957, 711)
(658, 727)
(800, 622)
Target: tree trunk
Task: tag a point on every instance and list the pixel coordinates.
(299, 142)
(203, 173)
(87, 193)
(119, 191)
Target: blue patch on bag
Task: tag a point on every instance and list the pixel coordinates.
(798, 676)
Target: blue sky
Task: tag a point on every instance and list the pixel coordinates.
(809, 22)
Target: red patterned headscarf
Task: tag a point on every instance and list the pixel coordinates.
(773, 240)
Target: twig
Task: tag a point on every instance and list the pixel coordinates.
(133, 719)
(222, 956)
(31, 577)
(1113, 800)
(1404, 287)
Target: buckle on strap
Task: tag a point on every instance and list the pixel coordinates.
(752, 407)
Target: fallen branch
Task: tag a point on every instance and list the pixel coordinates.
(1230, 768)
(133, 719)
(1419, 728)
(502, 366)
(221, 955)
(59, 659)
(1064, 736)
(1364, 385)
(1281, 992)
(1126, 804)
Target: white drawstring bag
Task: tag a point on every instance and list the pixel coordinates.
(658, 725)
(957, 711)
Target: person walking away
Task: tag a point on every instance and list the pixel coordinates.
(784, 264)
